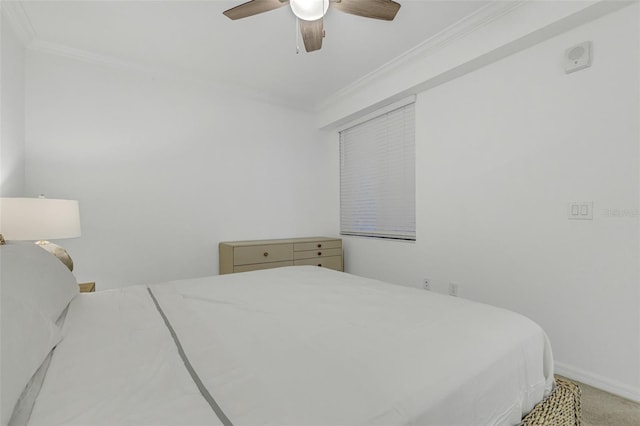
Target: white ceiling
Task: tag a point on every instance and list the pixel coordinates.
(258, 53)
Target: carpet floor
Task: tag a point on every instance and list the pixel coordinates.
(600, 408)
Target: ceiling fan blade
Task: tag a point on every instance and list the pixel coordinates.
(312, 34)
(253, 7)
(376, 9)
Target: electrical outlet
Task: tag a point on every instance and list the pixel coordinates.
(581, 210)
(426, 284)
(453, 289)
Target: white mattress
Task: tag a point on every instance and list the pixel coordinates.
(293, 346)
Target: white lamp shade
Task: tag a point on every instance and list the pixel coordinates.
(309, 10)
(39, 219)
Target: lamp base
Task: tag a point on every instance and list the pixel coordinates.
(58, 252)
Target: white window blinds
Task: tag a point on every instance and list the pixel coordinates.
(377, 176)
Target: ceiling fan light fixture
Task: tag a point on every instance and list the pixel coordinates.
(309, 10)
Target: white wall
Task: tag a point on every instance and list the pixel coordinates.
(165, 169)
(500, 152)
(12, 151)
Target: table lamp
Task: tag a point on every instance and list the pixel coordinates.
(41, 219)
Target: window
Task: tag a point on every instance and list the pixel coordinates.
(377, 176)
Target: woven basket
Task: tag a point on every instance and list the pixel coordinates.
(560, 408)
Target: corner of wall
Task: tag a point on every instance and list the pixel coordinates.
(12, 108)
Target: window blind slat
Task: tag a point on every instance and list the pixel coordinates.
(377, 176)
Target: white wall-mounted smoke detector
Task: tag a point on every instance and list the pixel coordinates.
(577, 57)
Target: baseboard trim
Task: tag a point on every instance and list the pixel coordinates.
(597, 381)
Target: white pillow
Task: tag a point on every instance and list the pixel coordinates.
(37, 278)
(35, 289)
(27, 337)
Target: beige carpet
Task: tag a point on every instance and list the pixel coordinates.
(601, 408)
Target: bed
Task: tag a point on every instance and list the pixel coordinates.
(289, 346)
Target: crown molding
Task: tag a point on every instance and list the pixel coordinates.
(166, 73)
(480, 40)
(18, 20)
(58, 49)
(460, 29)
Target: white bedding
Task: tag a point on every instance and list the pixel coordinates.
(293, 346)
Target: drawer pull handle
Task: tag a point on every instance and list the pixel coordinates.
(266, 253)
(319, 245)
(319, 253)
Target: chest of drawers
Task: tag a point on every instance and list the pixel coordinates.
(241, 256)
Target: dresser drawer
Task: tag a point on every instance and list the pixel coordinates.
(250, 255)
(324, 244)
(262, 254)
(317, 253)
(331, 262)
(257, 266)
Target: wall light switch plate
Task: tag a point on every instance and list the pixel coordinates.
(582, 210)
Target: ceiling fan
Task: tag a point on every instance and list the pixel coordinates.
(311, 12)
